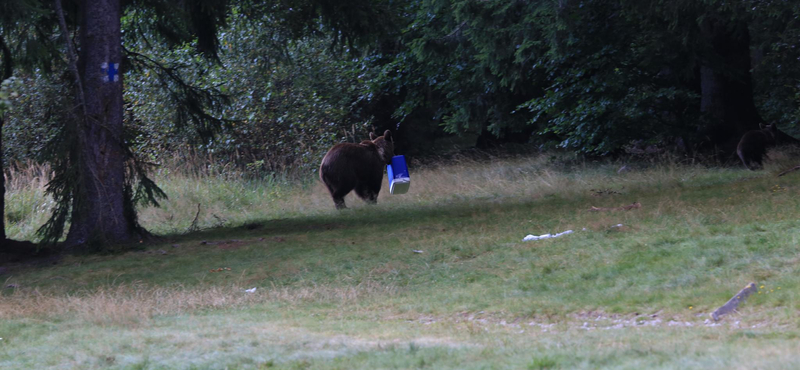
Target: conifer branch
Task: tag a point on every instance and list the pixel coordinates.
(73, 60)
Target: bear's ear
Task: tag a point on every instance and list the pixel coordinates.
(760, 125)
(387, 135)
(372, 136)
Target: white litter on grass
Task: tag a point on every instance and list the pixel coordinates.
(546, 236)
(251, 290)
(617, 225)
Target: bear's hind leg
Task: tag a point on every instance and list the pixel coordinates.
(339, 202)
(366, 194)
(338, 197)
(757, 162)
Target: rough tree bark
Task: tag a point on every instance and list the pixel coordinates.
(726, 84)
(2, 184)
(8, 71)
(99, 213)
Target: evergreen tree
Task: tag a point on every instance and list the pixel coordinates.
(97, 180)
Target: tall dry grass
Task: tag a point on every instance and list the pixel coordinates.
(26, 205)
(517, 178)
(205, 192)
(138, 302)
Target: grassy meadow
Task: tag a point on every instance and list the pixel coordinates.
(438, 278)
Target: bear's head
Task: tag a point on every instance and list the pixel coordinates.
(385, 145)
(770, 129)
(773, 128)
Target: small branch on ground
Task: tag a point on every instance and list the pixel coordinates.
(194, 227)
(795, 168)
(634, 205)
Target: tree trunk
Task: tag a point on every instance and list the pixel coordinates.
(2, 185)
(99, 206)
(726, 85)
(8, 71)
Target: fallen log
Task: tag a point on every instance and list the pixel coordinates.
(734, 302)
(795, 168)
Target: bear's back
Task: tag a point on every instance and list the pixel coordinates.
(348, 159)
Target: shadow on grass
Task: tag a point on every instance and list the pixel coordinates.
(388, 217)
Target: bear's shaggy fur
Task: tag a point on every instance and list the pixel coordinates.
(350, 166)
(754, 144)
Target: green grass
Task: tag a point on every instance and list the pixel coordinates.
(345, 290)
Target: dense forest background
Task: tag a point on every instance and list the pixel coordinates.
(269, 86)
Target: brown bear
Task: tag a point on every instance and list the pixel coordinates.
(754, 144)
(350, 166)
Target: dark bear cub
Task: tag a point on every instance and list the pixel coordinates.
(754, 145)
(350, 166)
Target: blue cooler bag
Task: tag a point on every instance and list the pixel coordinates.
(399, 182)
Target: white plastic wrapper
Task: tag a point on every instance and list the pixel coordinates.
(546, 236)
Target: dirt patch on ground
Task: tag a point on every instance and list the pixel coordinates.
(592, 320)
(232, 244)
